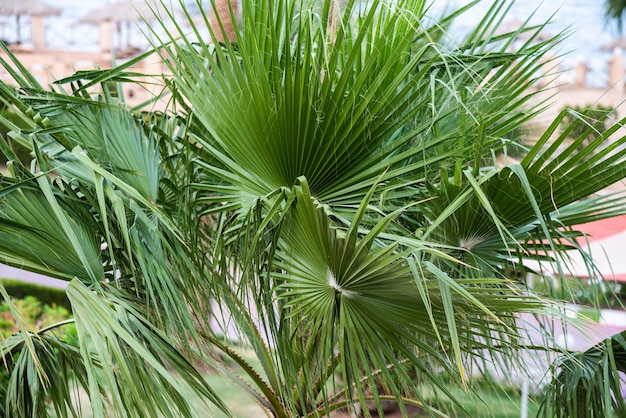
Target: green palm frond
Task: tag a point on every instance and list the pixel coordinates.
(495, 218)
(39, 364)
(615, 9)
(346, 100)
(347, 292)
(114, 333)
(38, 237)
(53, 370)
(588, 383)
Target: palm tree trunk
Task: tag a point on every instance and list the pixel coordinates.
(616, 10)
(333, 18)
(222, 14)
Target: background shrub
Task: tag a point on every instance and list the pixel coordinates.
(46, 295)
(37, 315)
(582, 118)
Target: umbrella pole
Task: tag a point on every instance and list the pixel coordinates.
(128, 27)
(120, 40)
(18, 30)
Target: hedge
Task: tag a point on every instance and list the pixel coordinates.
(47, 295)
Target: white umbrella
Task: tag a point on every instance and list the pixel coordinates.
(27, 7)
(19, 8)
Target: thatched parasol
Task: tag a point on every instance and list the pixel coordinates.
(126, 11)
(616, 43)
(19, 8)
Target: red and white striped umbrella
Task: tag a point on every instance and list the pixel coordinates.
(605, 244)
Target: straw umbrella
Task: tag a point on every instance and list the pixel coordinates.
(616, 43)
(33, 8)
(125, 11)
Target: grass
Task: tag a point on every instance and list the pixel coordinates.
(500, 402)
(484, 403)
(599, 294)
(481, 402)
(590, 314)
(240, 404)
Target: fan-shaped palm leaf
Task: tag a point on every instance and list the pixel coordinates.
(588, 383)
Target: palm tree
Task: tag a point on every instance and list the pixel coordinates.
(332, 184)
(615, 10)
(589, 383)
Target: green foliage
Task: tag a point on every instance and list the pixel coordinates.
(594, 293)
(324, 185)
(14, 120)
(589, 314)
(45, 294)
(34, 312)
(483, 399)
(588, 383)
(615, 10)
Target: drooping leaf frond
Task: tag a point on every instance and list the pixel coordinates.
(588, 383)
